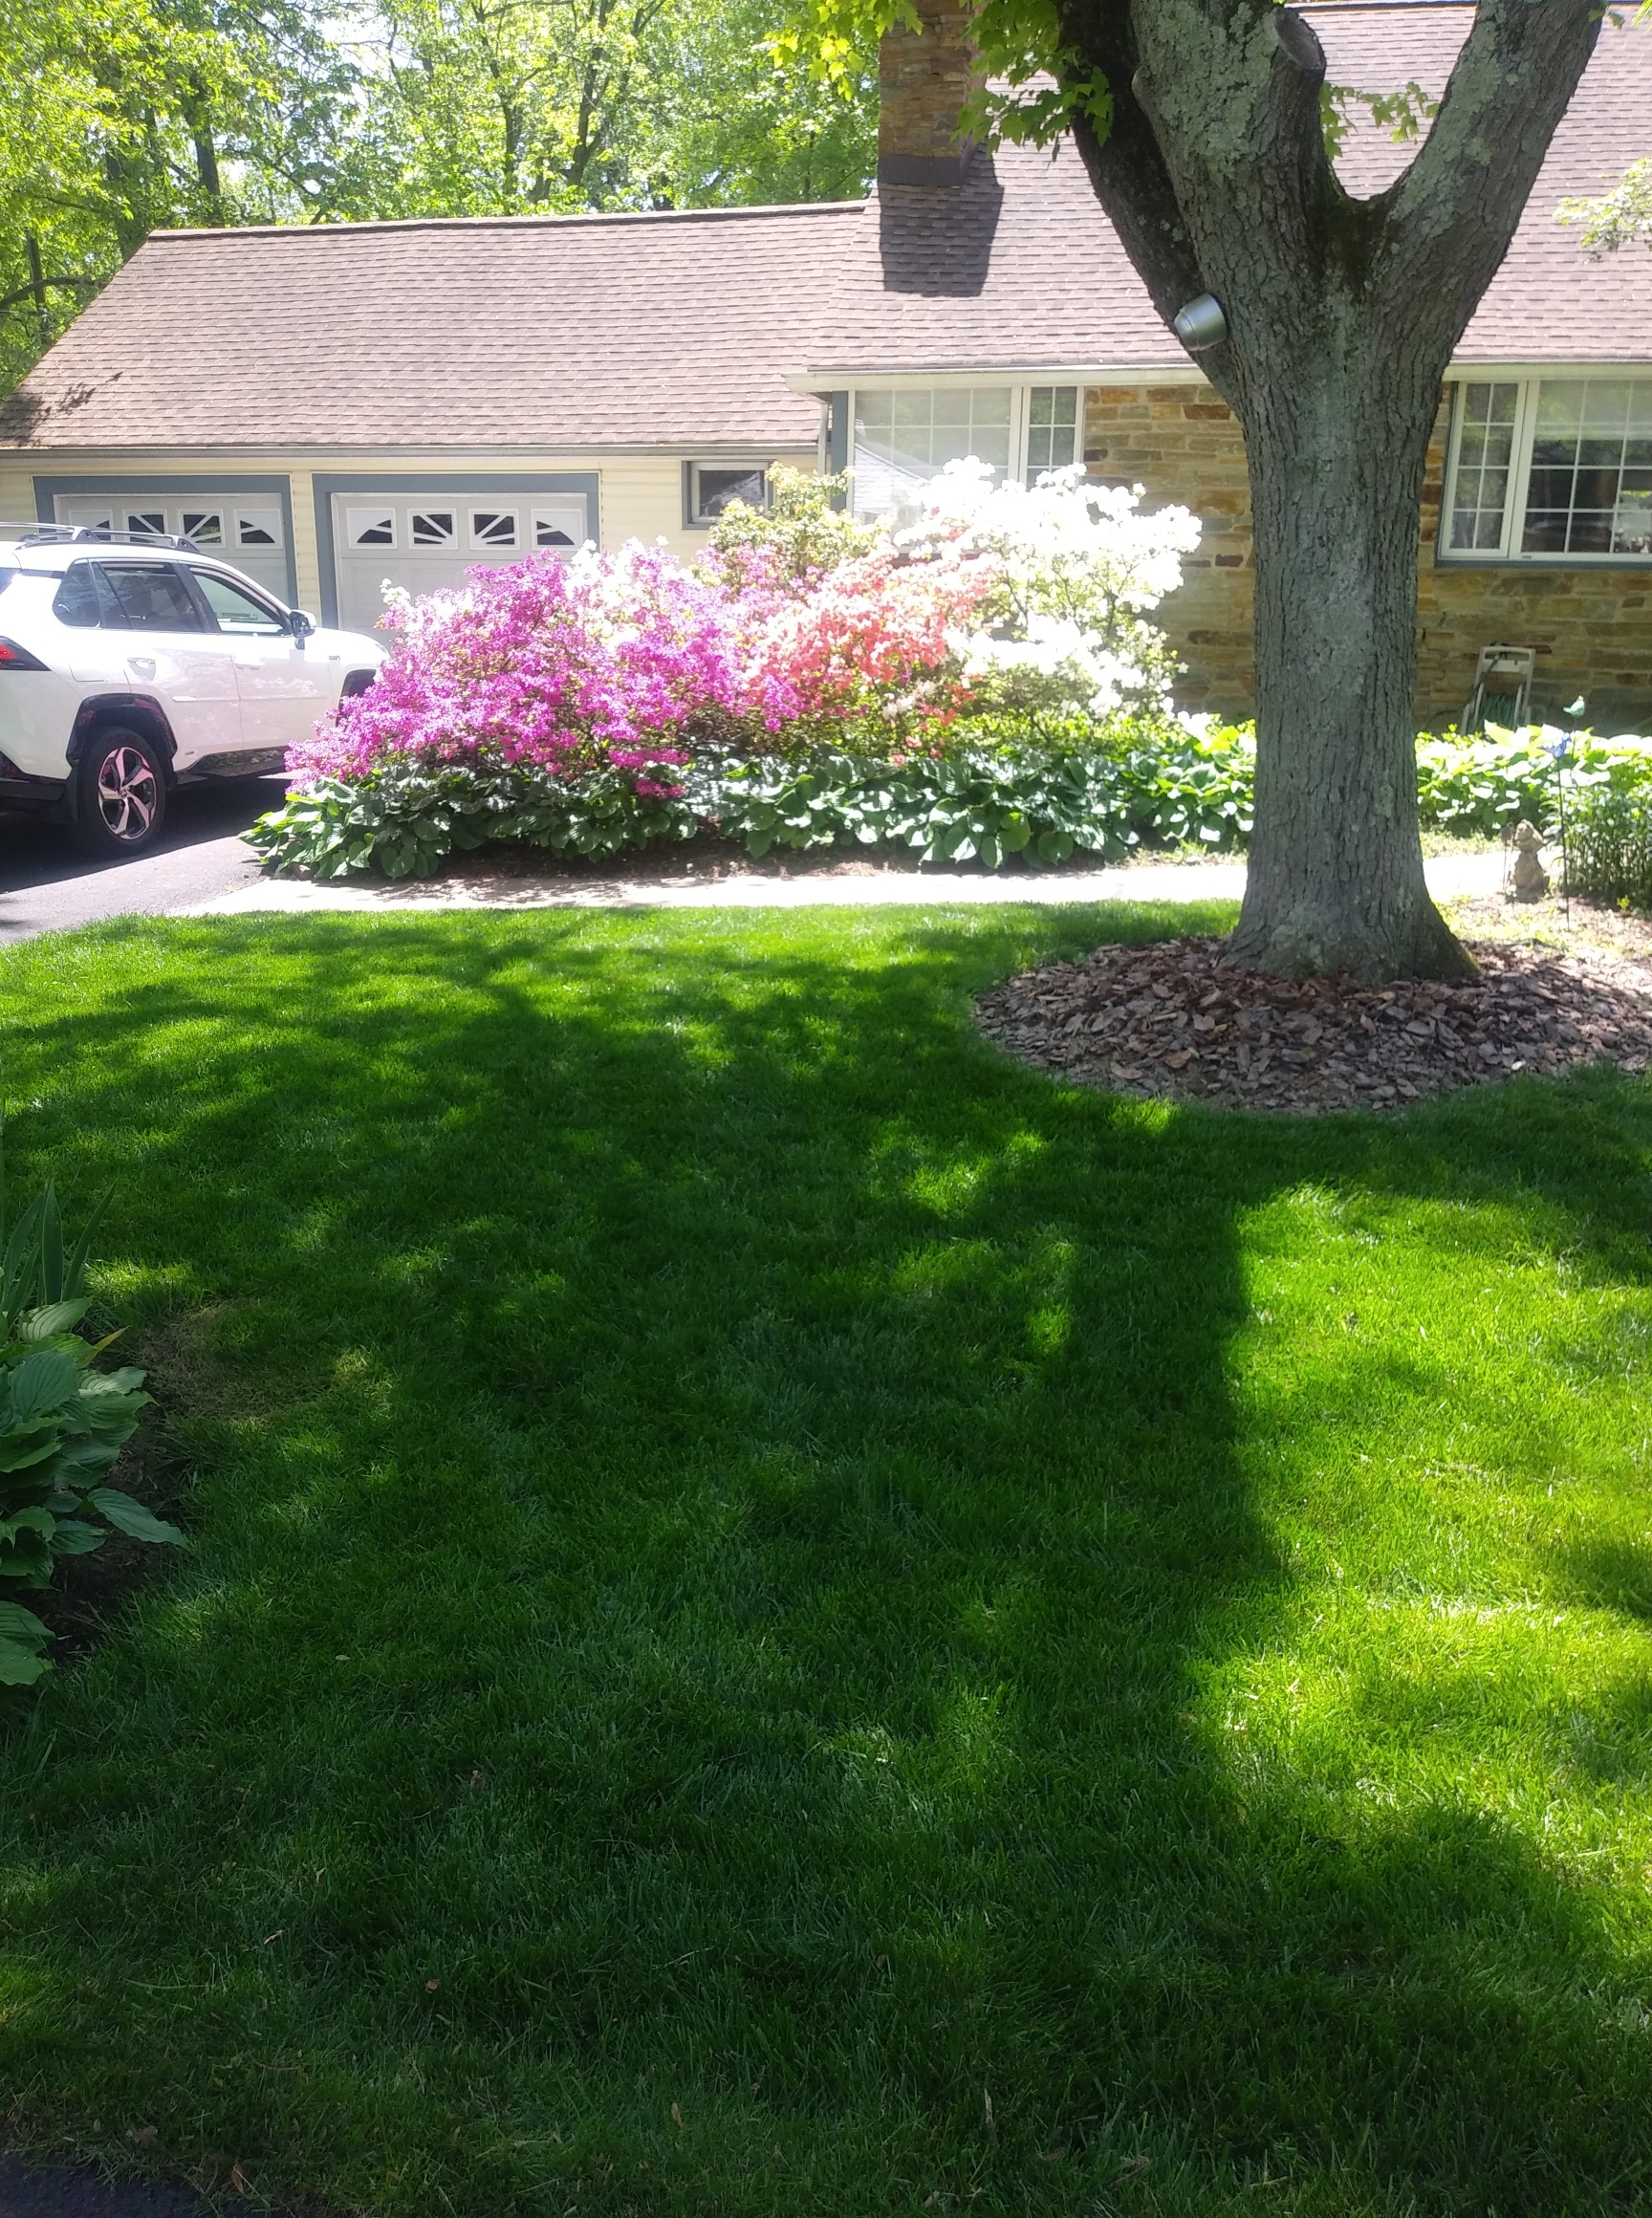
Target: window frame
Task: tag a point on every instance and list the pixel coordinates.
(692, 520)
(1510, 554)
(281, 617)
(1021, 389)
(114, 616)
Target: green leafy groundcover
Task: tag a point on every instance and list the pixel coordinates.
(789, 1620)
(1149, 782)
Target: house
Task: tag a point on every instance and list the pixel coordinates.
(340, 405)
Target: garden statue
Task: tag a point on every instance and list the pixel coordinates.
(1531, 879)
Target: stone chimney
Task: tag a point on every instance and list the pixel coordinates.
(924, 79)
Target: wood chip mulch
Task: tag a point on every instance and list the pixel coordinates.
(1172, 1020)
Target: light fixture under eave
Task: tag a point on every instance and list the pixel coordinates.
(1201, 323)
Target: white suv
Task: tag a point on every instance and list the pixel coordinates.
(130, 663)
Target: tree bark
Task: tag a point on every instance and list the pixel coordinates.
(1341, 318)
(1335, 879)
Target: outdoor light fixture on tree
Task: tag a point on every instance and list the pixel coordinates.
(1327, 323)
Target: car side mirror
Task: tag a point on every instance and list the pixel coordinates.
(299, 624)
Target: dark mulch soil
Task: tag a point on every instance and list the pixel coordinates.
(1173, 1020)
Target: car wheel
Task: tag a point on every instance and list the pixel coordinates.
(122, 801)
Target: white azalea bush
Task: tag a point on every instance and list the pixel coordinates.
(1078, 568)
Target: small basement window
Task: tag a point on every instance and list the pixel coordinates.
(713, 486)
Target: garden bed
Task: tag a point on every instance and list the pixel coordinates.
(1178, 1020)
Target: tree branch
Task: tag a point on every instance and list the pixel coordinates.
(1448, 220)
(1126, 168)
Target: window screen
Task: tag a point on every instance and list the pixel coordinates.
(151, 596)
(1052, 428)
(902, 439)
(1485, 457)
(1589, 491)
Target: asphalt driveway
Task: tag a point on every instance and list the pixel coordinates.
(48, 885)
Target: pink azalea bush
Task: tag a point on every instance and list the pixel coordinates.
(599, 663)
(801, 630)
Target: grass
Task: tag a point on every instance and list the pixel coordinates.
(789, 1618)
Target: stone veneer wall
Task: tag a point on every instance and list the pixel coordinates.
(1592, 627)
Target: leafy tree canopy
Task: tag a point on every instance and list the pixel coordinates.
(127, 116)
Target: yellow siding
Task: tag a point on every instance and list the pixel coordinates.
(639, 496)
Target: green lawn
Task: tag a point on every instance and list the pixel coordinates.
(788, 1617)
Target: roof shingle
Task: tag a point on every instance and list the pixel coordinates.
(679, 330)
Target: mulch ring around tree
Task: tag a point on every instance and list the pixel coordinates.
(1172, 1020)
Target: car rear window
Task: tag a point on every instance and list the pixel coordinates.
(151, 596)
(75, 601)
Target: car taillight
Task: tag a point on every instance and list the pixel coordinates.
(13, 657)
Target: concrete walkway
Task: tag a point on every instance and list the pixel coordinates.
(792, 884)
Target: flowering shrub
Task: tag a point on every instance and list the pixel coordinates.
(592, 667)
(1074, 570)
(802, 630)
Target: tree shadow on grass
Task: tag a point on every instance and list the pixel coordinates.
(732, 1526)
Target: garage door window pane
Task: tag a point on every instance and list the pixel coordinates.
(371, 527)
(151, 520)
(204, 526)
(493, 527)
(558, 528)
(257, 527)
(433, 528)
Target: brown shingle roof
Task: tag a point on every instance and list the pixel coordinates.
(597, 330)
(681, 329)
(1024, 272)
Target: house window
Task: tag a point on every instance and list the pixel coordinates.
(713, 486)
(905, 438)
(494, 528)
(1052, 428)
(433, 528)
(1551, 468)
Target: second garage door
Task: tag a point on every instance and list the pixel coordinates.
(423, 542)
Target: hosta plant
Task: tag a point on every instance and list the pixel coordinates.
(62, 1425)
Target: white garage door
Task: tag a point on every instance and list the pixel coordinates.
(242, 529)
(424, 542)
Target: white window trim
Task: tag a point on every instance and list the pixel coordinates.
(1509, 553)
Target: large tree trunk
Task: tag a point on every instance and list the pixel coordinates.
(1335, 879)
(1341, 320)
